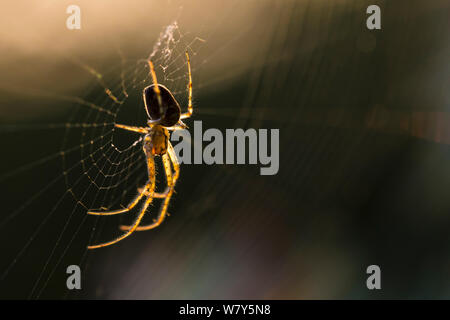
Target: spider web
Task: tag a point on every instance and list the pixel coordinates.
(66, 156)
(301, 66)
(97, 166)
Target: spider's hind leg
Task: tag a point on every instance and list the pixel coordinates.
(190, 108)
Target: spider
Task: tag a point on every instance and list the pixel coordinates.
(164, 115)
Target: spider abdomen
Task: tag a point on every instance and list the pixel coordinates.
(169, 112)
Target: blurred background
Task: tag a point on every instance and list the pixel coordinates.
(364, 149)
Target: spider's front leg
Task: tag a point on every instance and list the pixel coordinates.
(142, 192)
(156, 194)
(148, 201)
(169, 157)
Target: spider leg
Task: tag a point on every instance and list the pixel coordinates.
(171, 180)
(156, 194)
(155, 87)
(148, 201)
(142, 192)
(130, 128)
(179, 126)
(190, 109)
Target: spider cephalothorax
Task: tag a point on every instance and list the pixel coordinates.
(164, 114)
(156, 140)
